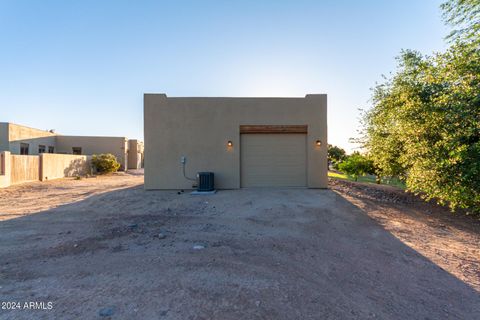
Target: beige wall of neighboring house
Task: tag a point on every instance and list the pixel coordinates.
(118, 146)
(13, 135)
(135, 154)
(57, 158)
(200, 128)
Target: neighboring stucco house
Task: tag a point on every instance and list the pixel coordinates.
(24, 140)
(30, 141)
(118, 146)
(245, 142)
(135, 154)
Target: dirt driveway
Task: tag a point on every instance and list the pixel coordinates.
(239, 254)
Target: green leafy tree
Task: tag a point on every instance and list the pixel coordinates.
(424, 125)
(105, 163)
(357, 165)
(335, 154)
(464, 17)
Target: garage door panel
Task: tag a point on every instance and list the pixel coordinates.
(273, 160)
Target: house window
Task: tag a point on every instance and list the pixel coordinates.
(51, 149)
(23, 148)
(41, 149)
(77, 150)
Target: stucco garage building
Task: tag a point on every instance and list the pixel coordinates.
(245, 142)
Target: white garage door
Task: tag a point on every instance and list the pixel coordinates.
(273, 160)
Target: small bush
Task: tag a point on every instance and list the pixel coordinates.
(356, 165)
(105, 163)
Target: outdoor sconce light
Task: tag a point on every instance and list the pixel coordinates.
(318, 143)
(229, 144)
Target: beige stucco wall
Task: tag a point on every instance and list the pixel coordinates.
(199, 129)
(54, 166)
(5, 169)
(18, 134)
(118, 146)
(135, 154)
(47, 166)
(24, 168)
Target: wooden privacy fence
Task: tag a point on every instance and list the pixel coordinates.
(47, 166)
(24, 168)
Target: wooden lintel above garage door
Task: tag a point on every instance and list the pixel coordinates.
(273, 129)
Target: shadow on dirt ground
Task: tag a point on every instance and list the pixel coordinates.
(450, 240)
(249, 253)
(27, 198)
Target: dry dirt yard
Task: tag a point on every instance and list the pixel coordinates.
(105, 248)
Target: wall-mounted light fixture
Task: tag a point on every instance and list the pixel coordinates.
(318, 143)
(229, 143)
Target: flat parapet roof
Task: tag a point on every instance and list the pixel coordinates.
(232, 97)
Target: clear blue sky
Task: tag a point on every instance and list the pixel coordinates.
(81, 67)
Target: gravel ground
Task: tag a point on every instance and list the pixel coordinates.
(121, 252)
